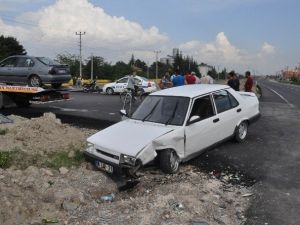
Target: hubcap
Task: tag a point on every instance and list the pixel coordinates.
(35, 82)
(242, 130)
(174, 161)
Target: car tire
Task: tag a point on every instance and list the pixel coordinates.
(56, 86)
(109, 91)
(241, 132)
(169, 161)
(34, 81)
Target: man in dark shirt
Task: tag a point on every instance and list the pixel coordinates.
(233, 81)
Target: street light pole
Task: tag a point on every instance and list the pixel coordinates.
(92, 67)
(156, 59)
(80, 62)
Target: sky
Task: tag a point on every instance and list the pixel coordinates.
(257, 35)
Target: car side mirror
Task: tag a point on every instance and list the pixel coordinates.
(124, 113)
(193, 119)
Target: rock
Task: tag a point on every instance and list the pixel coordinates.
(71, 154)
(47, 172)
(63, 170)
(70, 206)
(2, 177)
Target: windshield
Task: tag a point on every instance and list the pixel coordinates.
(47, 61)
(162, 109)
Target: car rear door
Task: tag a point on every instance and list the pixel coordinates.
(228, 112)
(23, 69)
(201, 133)
(7, 70)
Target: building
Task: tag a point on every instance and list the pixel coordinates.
(288, 74)
(204, 68)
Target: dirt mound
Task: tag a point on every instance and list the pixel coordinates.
(40, 136)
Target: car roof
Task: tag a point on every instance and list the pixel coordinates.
(191, 90)
(136, 76)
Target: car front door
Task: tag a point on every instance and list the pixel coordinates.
(121, 84)
(201, 127)
(7, 70)
(228, 111)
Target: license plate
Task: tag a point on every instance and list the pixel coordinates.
(104, 166)
(61, 71)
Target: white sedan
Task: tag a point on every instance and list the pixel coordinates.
(174, 125)
(119, 85)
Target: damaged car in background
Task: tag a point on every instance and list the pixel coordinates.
(173, 126)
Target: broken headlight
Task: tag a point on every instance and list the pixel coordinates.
(90, 147)
(127, 159)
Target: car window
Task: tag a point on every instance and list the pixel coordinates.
(47, 61)
(10, 62)
(24, 62)
(137, 81)
(203, 108)
(163, 109)
(224, 101)
(123, 80)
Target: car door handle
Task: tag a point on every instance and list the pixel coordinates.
(216, 120)
(239, 110)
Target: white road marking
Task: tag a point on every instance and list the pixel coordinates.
(283, 98)
(70, 110)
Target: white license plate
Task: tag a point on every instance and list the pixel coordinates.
(104, 166)
(61, 71)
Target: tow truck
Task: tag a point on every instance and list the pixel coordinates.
(22, 96)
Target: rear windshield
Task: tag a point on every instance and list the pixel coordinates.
(47, 61)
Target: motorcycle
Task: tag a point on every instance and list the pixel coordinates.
(91, 87)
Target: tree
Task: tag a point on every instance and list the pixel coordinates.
(10, 46)
(72, 61)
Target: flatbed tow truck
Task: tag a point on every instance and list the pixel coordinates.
(22, 96)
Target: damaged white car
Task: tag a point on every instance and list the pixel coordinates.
(173, 126)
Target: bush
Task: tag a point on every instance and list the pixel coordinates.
(6, 159)
(3, 131)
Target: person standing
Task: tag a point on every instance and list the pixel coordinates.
(249, 82)
(190, 79)
(233, 81)
(197, 79)
(165, 81)
(178, 80)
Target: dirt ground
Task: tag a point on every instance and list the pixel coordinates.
(36, 193)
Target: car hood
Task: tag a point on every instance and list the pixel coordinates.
(128, 137)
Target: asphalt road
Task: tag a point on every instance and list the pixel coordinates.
(269, 159)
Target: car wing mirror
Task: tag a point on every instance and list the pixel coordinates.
(124, 113)
(194, 119)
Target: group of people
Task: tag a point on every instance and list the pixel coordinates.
(177, 79)
(234, 82)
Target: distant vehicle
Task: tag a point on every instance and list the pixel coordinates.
(33, 71)
(174, 125)
(119, 85)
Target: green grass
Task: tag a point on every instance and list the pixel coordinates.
(6, 159)
(3, 131)
(61, 159)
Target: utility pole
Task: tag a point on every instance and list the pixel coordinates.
(92, 67)
(156, 59)
(80, 62)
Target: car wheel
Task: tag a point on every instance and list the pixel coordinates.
(55, 86)
(169, 161)
(241, 132)
(109, 91)
(35, 81)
